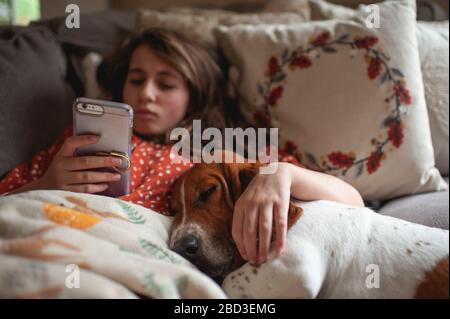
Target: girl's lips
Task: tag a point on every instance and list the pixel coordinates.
(145, 114)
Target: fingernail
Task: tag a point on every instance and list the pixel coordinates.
(117, 161)
(116, 177)
(93, 138)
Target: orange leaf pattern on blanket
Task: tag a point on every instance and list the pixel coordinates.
(70, 217)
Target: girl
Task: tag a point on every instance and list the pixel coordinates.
(169, 81)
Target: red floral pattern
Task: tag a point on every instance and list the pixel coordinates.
(395, 134)
(274, 66)
(341, 160)
(374, 161)
(299, 58)
(301, 62)
(321, 39)
(275, 95)
(402, 94)
(366, 42)
(261, 119)
(375, 68)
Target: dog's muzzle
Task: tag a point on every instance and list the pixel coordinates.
(187, 246)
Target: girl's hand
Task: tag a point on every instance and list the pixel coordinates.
(264, 203)
(71, 173)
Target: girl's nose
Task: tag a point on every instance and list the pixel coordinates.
(149, 91)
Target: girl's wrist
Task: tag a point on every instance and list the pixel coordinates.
(287, 171)
(283, 170)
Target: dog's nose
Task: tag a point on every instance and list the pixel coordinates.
(186, 246)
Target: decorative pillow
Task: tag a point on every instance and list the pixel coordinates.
(348, 100)
(199, 24)
(434, 57)
(433, 52)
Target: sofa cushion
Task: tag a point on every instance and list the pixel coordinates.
(430, 209)
(434, 57)
(100, 32)
(199, 24)
(35, 100)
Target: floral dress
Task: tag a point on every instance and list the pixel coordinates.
(152, 171)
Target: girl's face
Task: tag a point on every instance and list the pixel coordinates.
(156, 91)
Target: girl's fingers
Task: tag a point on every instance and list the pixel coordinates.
(89, 162)
(88, 177)
(280, 216)
(236, 231)
(72, 143)
(265, 233)
(86, 188)
(250, 232)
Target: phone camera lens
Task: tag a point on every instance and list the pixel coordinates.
(84, 106)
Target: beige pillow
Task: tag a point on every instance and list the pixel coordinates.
(301, 7)
(323, 10)
(348, 100)
(433, 52)
(199, 24)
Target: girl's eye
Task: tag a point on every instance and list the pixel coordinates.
(165, 86)
(136, 82)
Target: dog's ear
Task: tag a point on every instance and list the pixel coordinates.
(174, 193)
(238, 176)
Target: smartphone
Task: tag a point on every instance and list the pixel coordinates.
(113, 122)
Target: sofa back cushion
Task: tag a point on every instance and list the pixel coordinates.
(35, 100)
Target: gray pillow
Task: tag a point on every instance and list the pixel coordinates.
(35, 100)
(100, 32)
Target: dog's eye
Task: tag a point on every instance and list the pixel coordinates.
(203, 196)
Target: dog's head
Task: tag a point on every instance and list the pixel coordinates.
(203, 202)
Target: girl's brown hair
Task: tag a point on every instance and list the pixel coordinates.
(200, 68)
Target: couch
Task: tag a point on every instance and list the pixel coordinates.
(49, 60)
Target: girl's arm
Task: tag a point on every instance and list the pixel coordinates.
(59, 169)
(310, 185)
(24, 177)
(265, 202)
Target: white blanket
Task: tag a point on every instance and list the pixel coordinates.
(56, 244)
(67, 245)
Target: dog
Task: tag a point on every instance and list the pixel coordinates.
(329, 245)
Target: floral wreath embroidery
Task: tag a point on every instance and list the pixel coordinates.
(377, 66)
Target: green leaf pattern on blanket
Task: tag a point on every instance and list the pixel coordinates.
(159, 252)
(134, 216)
(171, 289)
